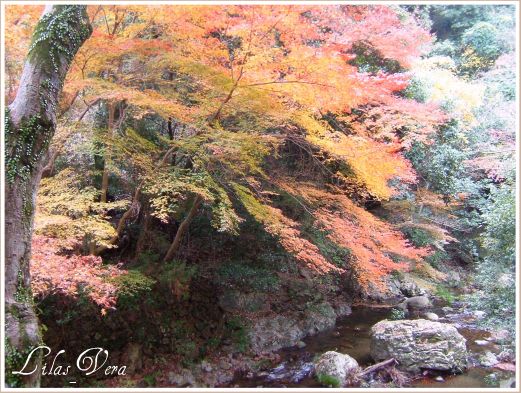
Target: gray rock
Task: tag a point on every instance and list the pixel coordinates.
(455, 279)
(431, 316)
(181, 379)
(507, 355)
(447, 310)
(301, 344)
(479, 314)
(418, 344)
(318, 317)
(342, 309)
(508, 383)
(488, 359)
(499, 336)
(271, 333)
(225, 364)
(418, 303)
(337, 365)
(410, 289)
(205, 366)
(481, 342)
(439, 378)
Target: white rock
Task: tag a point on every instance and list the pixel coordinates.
(488, 359)
(205, 366)
(337, 365)
(419, 344)
(431, 316)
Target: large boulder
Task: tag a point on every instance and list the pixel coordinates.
(415, 304)
(337, 365)
(419, 344)
(317, 317)
(272, 332)
(418, 303)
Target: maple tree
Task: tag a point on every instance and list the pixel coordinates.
(282, 64)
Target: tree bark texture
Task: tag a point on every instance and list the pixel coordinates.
(29, 126)
(108, 151)
(183, 228)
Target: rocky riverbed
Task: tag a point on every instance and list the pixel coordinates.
(488, 364)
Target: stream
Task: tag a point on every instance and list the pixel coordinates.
(351, 336)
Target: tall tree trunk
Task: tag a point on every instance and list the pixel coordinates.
(183, 228)
(132, 209)
(48, 169)
(108, 151)
(170, 129)
(143, 234)
(217, 114)
(29, 126)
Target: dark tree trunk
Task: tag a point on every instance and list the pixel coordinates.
(183, 228)
(132, 210)
(48, 169)
(143, 234)
(170, 129)
(108, 152)
(30, 124)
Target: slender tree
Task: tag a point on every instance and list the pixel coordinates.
(29, 126)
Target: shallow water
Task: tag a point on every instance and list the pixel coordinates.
(351, 336)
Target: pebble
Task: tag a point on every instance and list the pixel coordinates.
(488, 359)
(481, 342)
(447, 309)
(205, 366)
(439, 378)
(301, 344)
(431, 316)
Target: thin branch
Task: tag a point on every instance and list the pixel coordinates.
(283, 82)
(88, 108)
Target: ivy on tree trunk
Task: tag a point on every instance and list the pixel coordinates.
(30, 123)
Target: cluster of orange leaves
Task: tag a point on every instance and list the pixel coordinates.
(291, 239)
(370, 240)
(68, 276)
(417, 120)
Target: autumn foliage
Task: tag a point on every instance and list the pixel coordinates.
(68, 276)
(220, 89)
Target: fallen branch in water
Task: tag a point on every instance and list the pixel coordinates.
(377, 366)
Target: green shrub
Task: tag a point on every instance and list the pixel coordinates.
(151, 379)
(328, 381)
(132, 287)
(437, 258)
(444, 293)
(396, 314)
(397, 274)
(247, 277)
(238, 333)
(176, 277)
(147, 258)
(418, 237)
